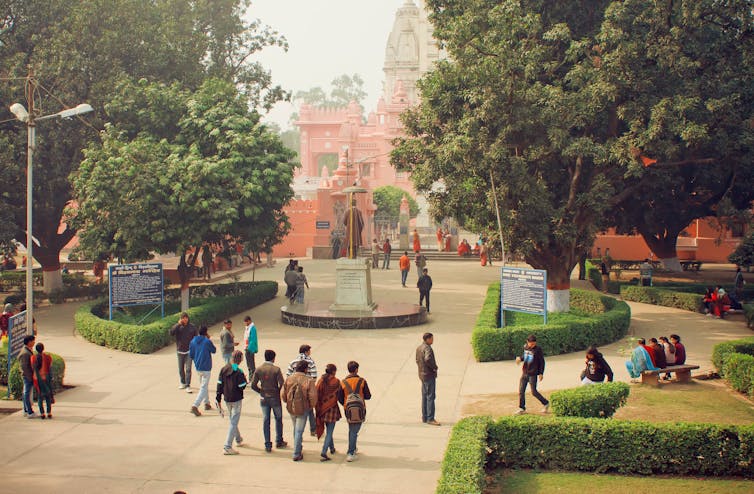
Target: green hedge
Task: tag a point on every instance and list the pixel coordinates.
(594, 275)
(465, 457)
(91, 323)
(735, 362)
(594, 320)
(659, 296)
(16, 384)
(624, 447)
(598, 400)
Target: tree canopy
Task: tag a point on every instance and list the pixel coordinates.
(206, 169)
(388, 201)
(343, 89)
(81, 50)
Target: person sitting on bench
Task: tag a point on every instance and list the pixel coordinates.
(640, 360)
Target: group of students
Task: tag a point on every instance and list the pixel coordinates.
(717, 302)
(295, 282)
(660, 353)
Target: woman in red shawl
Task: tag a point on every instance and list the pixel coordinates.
(417, 242)
(327, 408)
(41, 363)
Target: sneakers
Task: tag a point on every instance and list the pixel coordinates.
(313, 433)
(332, 451)
(281, 444)
(324, 458)
(239, 441)
(298, 458)
(229, 451)
(196, 411)
(433, 422)
(181, 386)
(546, 408)
(31, 415)
(188, 389)
(207, 406)
(350, 458)
(520, 411)
(268, 448)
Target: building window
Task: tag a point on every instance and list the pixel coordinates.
(366, 170)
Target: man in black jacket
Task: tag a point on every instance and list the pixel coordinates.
(184, 332)
(424, 285)
(27, 374)
(425, 361)
(532, 370)
(231, 382)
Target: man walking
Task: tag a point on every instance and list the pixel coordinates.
(250, 343)
(200, 351)
(304, 353)
(404, 263)
(230, 383)
(300, 397)
(27, 374)
(421, 262)
(183, 332)
(425, 361)
(387, 249)
(532, 370)
(227, 341)
(268, 382)
(353, 384)
(424, 285)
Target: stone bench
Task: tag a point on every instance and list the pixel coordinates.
(682, 372)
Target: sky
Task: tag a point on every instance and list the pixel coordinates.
(326, 38)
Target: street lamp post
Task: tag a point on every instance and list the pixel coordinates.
(30, 119)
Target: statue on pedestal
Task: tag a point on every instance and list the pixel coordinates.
(353, 221)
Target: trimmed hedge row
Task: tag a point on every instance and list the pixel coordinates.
(735, 362)
(597, 401)
(659, 296)
(607, 320)
(91, 323)
(624, 447)
(465, 457)
(16, 384)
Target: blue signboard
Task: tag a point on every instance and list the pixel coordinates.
(136, 284)
(17, 330)
(524, 290)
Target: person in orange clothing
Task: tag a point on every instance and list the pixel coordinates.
(405, 265)
(417, 242)
(41, 363)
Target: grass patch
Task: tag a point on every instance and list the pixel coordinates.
(531, 482)
(698, 401)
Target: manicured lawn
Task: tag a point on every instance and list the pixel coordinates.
(698, 401)
(529, 482)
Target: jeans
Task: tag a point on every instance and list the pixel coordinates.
(386, 262)
(428, 399)
(375, 261)
(203, 395)
(353, 435)
(250, 363)
(234, 414)
(278, 411)
(226, 357)
(299, 423)
(422, 296)
(530, 380)
(312, 421)
(329, 428)
(28, 386)
(404, 275)
(184, 368)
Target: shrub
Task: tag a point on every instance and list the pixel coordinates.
(624, 447)
(16, 383)
(739, 368)
(593, 274)
(594, 319)
(723, 351)
(599, 400)
(465, 457)
(666, 298)
(90, 322)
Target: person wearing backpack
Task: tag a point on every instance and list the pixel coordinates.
(353, 391)
(300, 396)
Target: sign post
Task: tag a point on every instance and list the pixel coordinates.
(136, 284)
(17, 329)
(523, 290)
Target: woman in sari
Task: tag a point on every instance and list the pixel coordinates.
(327, 409)
(416, 241)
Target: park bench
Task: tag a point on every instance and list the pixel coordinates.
(691, 265)
(682, 372)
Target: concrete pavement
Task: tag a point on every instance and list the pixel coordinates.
(125, 427)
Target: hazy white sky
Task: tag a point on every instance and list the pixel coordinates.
(327, 38)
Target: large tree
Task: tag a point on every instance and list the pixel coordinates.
(181, 167)
(343, 89)
(683, 73)
(388, 201)
(520, 103)
(80, 50)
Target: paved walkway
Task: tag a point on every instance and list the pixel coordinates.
(125, 427)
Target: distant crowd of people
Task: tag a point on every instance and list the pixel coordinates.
(295, 282)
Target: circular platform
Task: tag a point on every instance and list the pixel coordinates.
(318, 315)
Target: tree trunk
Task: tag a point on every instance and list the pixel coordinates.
(184, 274)
(558, 269)
(49, 259)
(664, 247)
